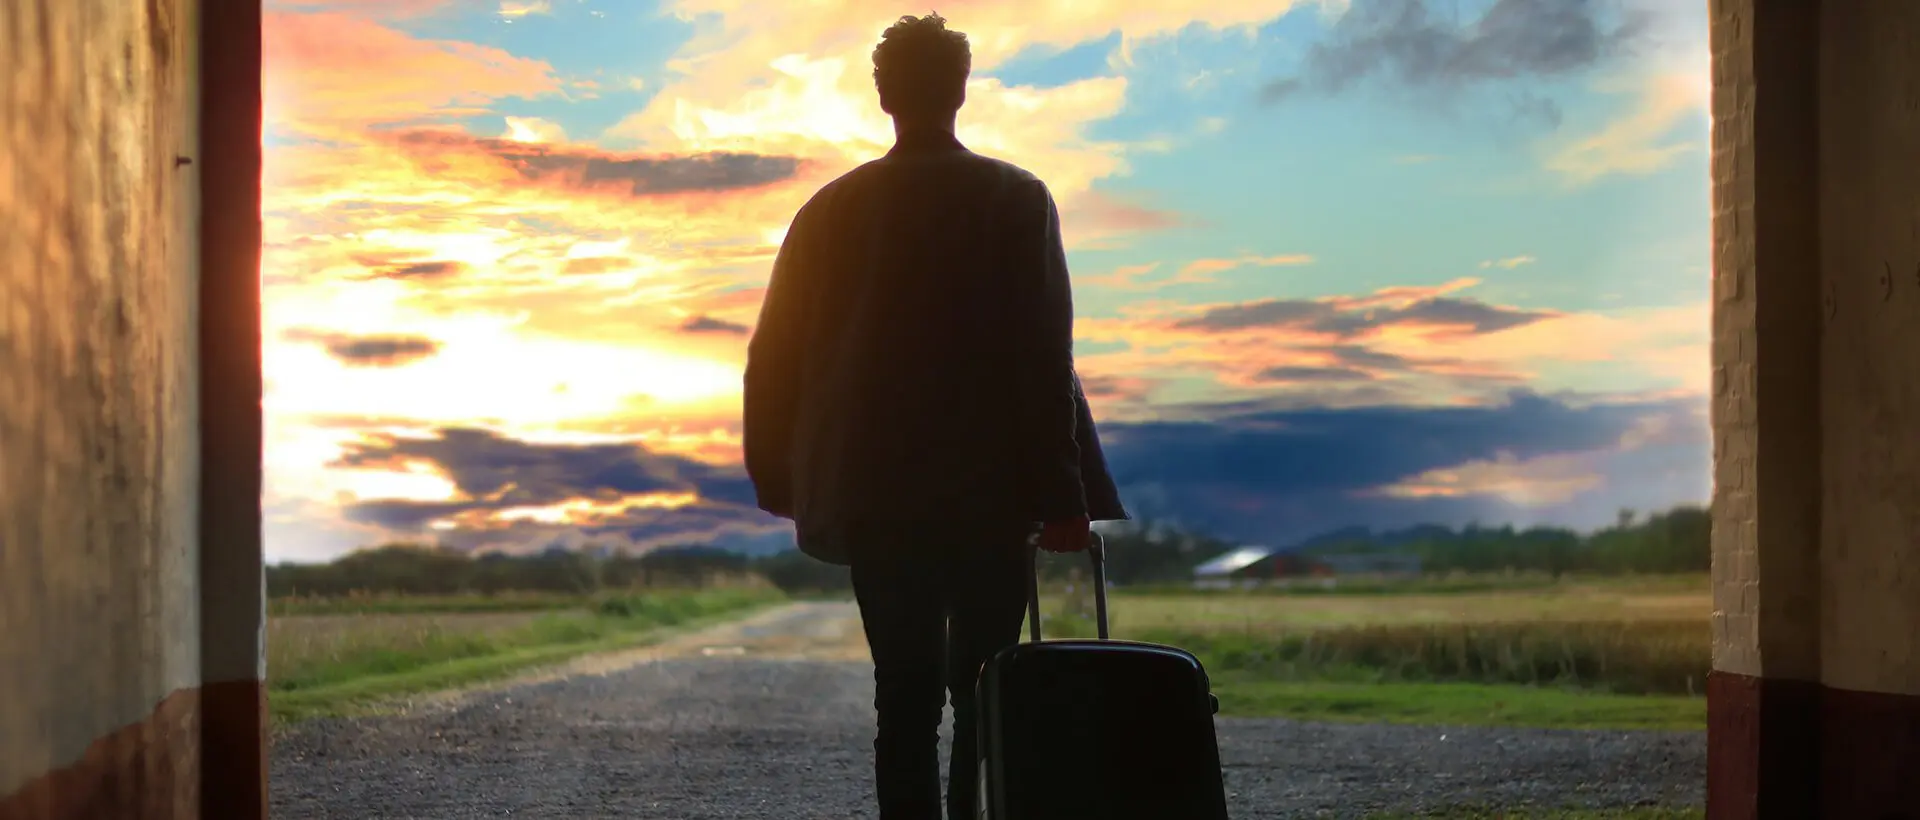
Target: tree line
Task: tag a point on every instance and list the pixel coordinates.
(417, 569)
(1674, 541)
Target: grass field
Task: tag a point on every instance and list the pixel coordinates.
(1593, 653)
(1659, 598)
(1617, 653)
(395, 604)
(350, 654)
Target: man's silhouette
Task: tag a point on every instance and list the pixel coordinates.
(911, 404)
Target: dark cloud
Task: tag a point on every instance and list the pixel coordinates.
(1411, 45)
(511, 472)
(1275, 91)
(1348, 375)
(1357, 356)
(433, 269)
(1533, 109)
(1279, 475)
(372, 350)
(1479, 316)
(1118, 388)
(708, 324)
(1331, 317)
(494, 472)
(581, 167)
(1243, 471)
(1265, 313)
(1313, 374)
(429, 269)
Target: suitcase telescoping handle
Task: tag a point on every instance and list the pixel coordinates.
(1097, 553)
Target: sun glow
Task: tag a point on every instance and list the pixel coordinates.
(576, 511)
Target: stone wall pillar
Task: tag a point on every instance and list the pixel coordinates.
(1766, 527)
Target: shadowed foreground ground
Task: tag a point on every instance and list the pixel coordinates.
(771, 718)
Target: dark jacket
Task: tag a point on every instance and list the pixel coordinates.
(913, 361)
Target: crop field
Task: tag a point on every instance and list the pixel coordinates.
(1612, 653)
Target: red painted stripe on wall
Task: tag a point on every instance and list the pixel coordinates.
(147, 769)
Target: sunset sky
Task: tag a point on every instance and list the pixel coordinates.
(1359, 262)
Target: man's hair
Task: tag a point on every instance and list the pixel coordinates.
(920, 67)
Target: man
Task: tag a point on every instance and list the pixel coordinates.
(911, 404)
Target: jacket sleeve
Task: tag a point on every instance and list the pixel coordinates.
(1046, 404)
(771, 385)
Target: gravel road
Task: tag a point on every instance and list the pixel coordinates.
(771, 718)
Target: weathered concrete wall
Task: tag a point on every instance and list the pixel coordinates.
(99, 449)
(1870, 356)
(1869, 169)
(1814, 707)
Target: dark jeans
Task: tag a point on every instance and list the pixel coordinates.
(936, 605)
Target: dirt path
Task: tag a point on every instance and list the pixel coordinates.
(771, 717)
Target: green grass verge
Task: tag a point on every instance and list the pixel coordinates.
(1468, 813)
(394, 604)
(1457, 704)
(379, 665)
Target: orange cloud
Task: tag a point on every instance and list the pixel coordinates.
(1204, 268)
(317, 68)
(577, 168)
(371, 8)
(521, 8)
(1117, 388)
(1125, 277)
(1199, 271)
(579, 512)
(1419, 345)
(1643, 140)
(1532, 482)
(1099, 220)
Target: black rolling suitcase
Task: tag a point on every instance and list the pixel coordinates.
(1097, 730)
